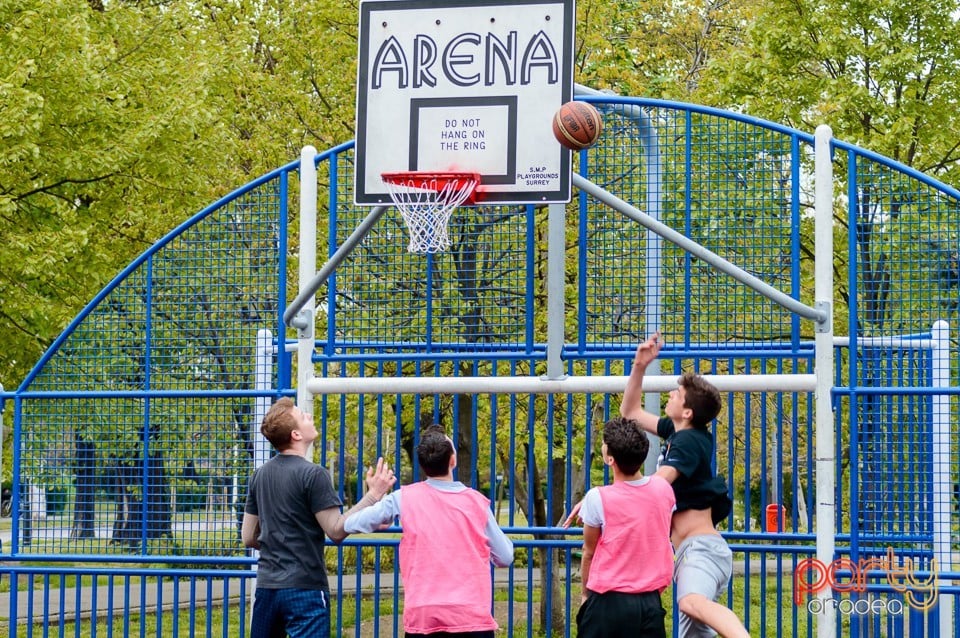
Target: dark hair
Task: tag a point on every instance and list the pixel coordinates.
(626, 443)
(434, 451)
(701, 397)
(278, 423)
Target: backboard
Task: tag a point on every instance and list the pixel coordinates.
(464, 85)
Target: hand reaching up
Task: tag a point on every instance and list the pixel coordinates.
(380, 480)
(648, 350)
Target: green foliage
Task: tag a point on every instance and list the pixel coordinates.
(120, 120)
(880, 74)
(105, 122)
(654, 48)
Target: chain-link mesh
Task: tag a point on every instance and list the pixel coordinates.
(107, 465)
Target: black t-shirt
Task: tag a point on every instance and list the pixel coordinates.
(690, 452)
(285, 493)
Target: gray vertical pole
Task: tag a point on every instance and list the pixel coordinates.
(652, 309)
(556, 244)
(308, 268)
(262, 380)
(826, 465)
(942, 462)
(653, 313)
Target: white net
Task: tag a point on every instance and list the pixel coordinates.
(426, 201)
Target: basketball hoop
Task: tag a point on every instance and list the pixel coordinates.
(426, 201)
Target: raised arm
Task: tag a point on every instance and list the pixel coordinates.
(632, 405)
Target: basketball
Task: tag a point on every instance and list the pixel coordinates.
(577, 125)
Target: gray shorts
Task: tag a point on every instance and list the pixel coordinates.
(703, 566)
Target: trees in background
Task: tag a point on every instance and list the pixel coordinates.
(108, 140)
(119, 121)
(882, 75)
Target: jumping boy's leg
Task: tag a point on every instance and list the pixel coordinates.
(703, 568)
(712, 617)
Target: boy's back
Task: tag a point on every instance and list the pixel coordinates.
(633, 554)
(627, 556)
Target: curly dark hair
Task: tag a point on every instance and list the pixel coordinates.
(626, 443)
(434, 451)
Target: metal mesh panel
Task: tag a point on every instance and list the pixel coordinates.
(473, 293)
(725, 184)
(895, 449)
(906, 238)
(904, 232)
(144, 474)
(135, 435)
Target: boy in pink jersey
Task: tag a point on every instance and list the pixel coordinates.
(627, 556)
(450, 537)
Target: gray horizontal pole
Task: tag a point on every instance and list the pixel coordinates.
(542, 385)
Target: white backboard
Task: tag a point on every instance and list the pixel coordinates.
(447, 85)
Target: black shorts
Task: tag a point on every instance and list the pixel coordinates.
(619, 615)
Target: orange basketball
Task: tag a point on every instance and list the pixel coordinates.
(577, 125)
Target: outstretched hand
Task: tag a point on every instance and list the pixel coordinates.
(648, 350)
(380, 480)
(574, 515)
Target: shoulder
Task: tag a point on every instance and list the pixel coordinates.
(592, 497)
(658, 481)
(413, 488)
(479, 497)
(591, 512)
(661, 485)
(475, 495)
(324, 476)
(313, 473)
(690, 447)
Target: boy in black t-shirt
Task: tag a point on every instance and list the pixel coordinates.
(704, 562)
(291, 507)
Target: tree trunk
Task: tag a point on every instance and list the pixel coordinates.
(127, 506)
(85, 464)
(465, 452)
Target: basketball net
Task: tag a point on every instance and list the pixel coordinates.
(426, 201)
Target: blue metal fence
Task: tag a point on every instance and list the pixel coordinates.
(135, 434)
